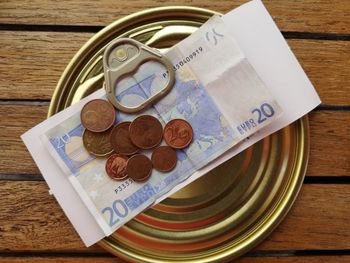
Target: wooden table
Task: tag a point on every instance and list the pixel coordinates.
(39, 37)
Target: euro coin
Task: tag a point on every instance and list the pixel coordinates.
(178, 133)
(116, 166)
(97, 143)
(164, 159)
(120, 139)
(97, 115)
(146, 132)
(139, 167)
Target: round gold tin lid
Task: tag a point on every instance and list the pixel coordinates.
(226, 212)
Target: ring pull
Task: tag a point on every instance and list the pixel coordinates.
(122, 58)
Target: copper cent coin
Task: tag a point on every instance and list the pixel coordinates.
(97, 115)
(139, 167)
(120, 139)
(146, 132)
(116, 166)
(164, 159)
(178, 133)
(97, 143)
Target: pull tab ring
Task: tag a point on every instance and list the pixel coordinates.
(123, 57)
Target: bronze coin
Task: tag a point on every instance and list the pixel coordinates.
(146, 132)
(97, 143)
(97, 115)
(139, 167)
(121, 141)
(116, 166)
(178, 133)
(164, 159)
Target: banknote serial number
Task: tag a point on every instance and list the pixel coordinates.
(260, 114)
(123, 186)
(185, 60)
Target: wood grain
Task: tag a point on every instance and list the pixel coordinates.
(329, 154)
(245, 259)
(329, 143)
(307, 16)
(318, 220)
(15, 120)
(32, 62)
(327, 65)
(31, 220)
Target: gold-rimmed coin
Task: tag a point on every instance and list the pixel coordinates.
(178, 133)
(164, 159)
(97, 143)
(116, 166)
(97, 115)
(120, 139)
(146, 132)
(139, 167)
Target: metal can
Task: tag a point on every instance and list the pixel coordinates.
(226, 212)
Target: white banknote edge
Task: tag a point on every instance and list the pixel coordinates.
(283, 70)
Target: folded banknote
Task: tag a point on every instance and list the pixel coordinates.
(216, 90)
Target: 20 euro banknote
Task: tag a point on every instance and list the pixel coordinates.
(216, 90)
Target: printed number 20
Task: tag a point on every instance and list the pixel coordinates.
(118, 209)
(265, 111)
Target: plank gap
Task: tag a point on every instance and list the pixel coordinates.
(333, 107)
(21, 177)
(95, 29)
(68, 254)
(315, 36)
(289, 253)
(34, 102)
(326, 180)
(338, 252)
(50, 28)
(307, 180)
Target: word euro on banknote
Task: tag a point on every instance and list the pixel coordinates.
(216, 90)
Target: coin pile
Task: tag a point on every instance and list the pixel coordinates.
(123, 142)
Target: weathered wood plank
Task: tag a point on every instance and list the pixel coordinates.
(31, 220)
(15, 120)
(306, 16)
(329, 143)
(326, 63)
(329, 140)
(318, 220)
(245, 259)
(32, 62)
